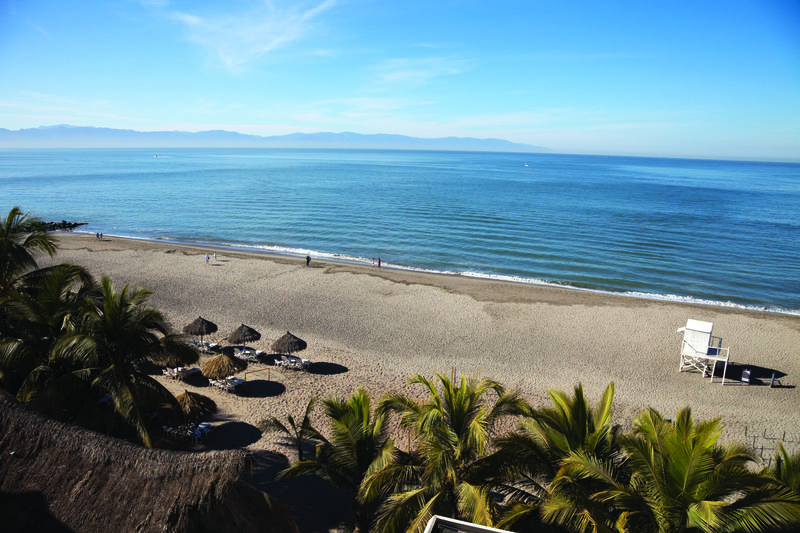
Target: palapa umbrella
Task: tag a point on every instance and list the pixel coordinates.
(289, 344)
(196, 406)
(221, 366)
(244, 334)
(201, 327)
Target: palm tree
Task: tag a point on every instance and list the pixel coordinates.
(681, 479)
(533, 455)
(447, 474)
(297, 433)
(112, 340)
(20, 242)
(786, 469)
(38, 313)
(358, 446)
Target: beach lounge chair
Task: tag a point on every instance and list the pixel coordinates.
(701, 351)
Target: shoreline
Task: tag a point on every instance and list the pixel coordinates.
(333, 259)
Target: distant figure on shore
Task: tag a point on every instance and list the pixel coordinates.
(373, 261)
(308, 260)
(215, 256)
(379, 262)
(97, 236)
(206, 258)
(101, 235)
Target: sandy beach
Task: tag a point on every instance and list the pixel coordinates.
(375, 328)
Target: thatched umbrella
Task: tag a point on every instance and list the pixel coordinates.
(221, 366)
(201, 327)
(196, 406)
(289, 344)
(244, 334)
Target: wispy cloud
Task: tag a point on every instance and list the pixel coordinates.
(235, 39)
(40, 30)
(418, 71)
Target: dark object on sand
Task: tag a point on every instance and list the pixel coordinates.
(244, 334)
(289, 344)
(221, 366)
(200, 327)
(195, 406)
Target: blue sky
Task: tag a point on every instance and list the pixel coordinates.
(664, 78)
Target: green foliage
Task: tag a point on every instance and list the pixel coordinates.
(68, 342)
(357, 445)
(534, 454)
(675, 477)
(298, 433)
(114, 336)
(447, 473)
(19, 245)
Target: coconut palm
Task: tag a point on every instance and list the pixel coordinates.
(532, 456)
(20, 243)
(447, 473)
(358, 446)
(777, 500)
(298, 433)
(112, 340)
(785, 468)
(681, 479)
(38, 314)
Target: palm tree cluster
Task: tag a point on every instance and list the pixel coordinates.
(74, 348)
(480, 453)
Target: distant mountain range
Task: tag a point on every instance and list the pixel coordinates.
(65, 136)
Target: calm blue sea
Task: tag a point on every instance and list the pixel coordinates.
(718, 232)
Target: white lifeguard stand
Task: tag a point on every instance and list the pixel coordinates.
(701, 351)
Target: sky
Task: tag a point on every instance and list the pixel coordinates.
(716, 79)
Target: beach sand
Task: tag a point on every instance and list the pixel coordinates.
(375, 328)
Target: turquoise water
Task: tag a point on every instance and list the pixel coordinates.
(716, 232)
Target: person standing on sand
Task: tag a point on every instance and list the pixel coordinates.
(206, 258)
(379, 262)
(308, 260)
(215, 256)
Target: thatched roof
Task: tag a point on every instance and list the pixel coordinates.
(244, 334)
(94, 483)
(201, 327)
(196, 406)
(221, 366)
(289, 343)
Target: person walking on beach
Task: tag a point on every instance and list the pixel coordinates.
(308, 260)
(215, 256)
(379, 262)
(206, 258)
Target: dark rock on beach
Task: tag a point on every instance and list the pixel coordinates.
(56, 226)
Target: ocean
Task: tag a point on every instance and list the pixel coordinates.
(720, 233)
